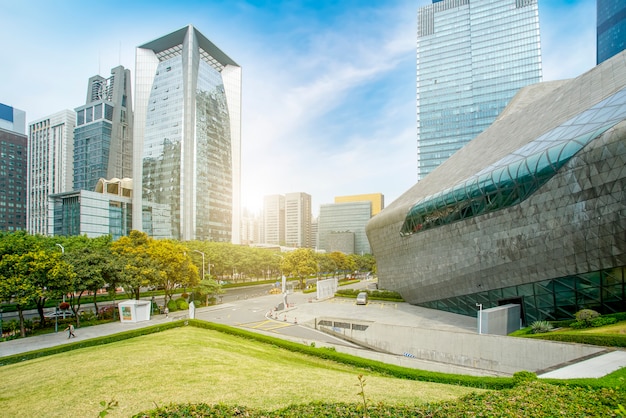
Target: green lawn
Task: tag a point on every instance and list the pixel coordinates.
(193, 365)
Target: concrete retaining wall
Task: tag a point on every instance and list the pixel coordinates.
(495, 353)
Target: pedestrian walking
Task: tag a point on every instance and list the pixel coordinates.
(70, 331)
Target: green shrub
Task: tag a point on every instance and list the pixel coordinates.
(602, 321)
(539, 327)
(181, 304)
(578, 325)
(586, 316)
(523, 377)
(172, 306)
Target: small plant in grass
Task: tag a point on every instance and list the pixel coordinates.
(107, 407)
(361, 385)
(585, 316)
(540, 327)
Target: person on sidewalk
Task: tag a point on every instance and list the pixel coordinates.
(167, 312)
(70, 331)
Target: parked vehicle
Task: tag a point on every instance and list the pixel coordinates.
(59, 314)
(361, 298)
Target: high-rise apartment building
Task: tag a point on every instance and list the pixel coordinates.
(377, 200)
(187, 137)
(611, 28)
(274, 219)
(298, 215)
(50, 165)
(13, 165)
(103, 136)
(472, 57)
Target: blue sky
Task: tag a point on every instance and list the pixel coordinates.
(328, 86)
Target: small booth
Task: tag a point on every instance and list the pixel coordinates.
(134, 310)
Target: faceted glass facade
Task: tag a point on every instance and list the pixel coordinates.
(611, 29)
(189, 140)
(517, 176)
(603, 291)
(472, 58)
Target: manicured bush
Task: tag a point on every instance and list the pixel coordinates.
(182, 304)
(602, 321)
(586, 316)
(172, 306)
(106, 312)
(64, 306)
(539, 327)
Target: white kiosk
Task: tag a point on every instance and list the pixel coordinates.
(134, 310)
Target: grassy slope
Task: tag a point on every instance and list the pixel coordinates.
(192, 365)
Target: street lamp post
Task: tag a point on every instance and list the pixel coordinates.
(203, 264)
(480, 318)
(62, 252)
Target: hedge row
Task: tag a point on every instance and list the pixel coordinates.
(385, 295)
(603, 340)
(371, 365)
(529, 399)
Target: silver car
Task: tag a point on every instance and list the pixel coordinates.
(361, 298)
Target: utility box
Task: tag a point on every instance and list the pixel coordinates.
(500, 320)
(134, 310)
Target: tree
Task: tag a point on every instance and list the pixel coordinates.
(300, 263)
(209, 288)
(138, 267)
(26, 278)
(174, 266)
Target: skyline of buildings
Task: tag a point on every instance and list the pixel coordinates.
(187, 137)
(472, 58)
(610, 28)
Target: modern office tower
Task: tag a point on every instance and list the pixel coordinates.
(298, 220)
(274, 219)
(611, 28)
(472, 58)
(187, 137)
(314, 233)
(341, 227)
(103, 136)
(50, 165)
(13, 166)
(377, 199)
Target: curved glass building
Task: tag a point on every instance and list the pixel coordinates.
(531, 212)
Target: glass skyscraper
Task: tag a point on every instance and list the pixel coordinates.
(611, 28)
(187, 147)
(472, 58)
(103, 134)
